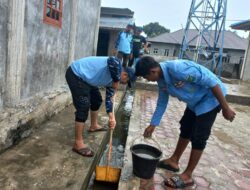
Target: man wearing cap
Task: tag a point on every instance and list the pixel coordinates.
(84, 76)
(139, 45)
(124, 44)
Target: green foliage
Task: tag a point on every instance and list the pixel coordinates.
(154, 29)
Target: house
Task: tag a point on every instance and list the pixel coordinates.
(167, 46)
(112, 21)
(38, 41)
(245, 73)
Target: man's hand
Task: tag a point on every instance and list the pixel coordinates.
(112, 121)
(115, 85)
(148, 131)
(228, 114)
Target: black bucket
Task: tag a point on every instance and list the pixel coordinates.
(145, 159)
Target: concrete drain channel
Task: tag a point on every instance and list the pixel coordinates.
(119, 141)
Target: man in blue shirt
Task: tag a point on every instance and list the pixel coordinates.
(124, 44)
(204, 95)
(84, 76)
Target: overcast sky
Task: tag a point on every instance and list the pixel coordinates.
(173, 13)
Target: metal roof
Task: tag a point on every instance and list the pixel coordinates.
(231, 40)
(115, 18)
(116, 12)
(114, 23)
(243, 25)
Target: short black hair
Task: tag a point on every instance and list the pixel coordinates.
(144, 65)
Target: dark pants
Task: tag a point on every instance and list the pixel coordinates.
(197, 128)
(124, 58)
(84, 96)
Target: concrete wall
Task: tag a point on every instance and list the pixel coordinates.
(45, 48)
(46, 51)
(162, 47)
(3, 46)
(245, 75)
(88, 23)
(34, 57)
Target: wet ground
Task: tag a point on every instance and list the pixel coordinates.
(45, 161)
(119, 141)
(225, 163)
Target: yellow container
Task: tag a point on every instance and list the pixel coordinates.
(107, 174)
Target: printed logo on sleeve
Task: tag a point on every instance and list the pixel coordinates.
(190, 78)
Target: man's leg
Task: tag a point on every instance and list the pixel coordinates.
(125, 60)
(95, 101)
(192, 163)
(173, 161)
(201, 132)
(186, 122)
(79, 142)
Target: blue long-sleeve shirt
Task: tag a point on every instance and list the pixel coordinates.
(195, 83)
(124, 42)
(101, 72)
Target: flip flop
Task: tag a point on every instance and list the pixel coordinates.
(86, 152)
(162, 165)
(99, 129)
(178, 183)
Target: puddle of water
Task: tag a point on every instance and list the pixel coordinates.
(119, 141)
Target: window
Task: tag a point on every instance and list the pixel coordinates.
(52, 13)
(166, 52)
(174, 53)
(155, 50)
(226, 59)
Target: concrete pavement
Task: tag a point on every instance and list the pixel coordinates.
(225, 163)
(45, 159)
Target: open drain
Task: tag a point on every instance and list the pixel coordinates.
(119, 140)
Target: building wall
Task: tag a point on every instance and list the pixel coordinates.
(45, 50)
(3, 46)
(246, 70)
(33, 59)
(88, 22)
(162, 48)
(231, 68)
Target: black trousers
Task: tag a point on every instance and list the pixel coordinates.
(197, 128)
(84, 96)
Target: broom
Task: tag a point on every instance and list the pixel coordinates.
(108, 173)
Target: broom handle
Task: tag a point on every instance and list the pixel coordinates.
(111, 134)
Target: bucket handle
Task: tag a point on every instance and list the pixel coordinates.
(146, 140)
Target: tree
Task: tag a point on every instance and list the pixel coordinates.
(154, 29)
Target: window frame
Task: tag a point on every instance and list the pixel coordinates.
(49, 20)
(156, 51)
(166, 52)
